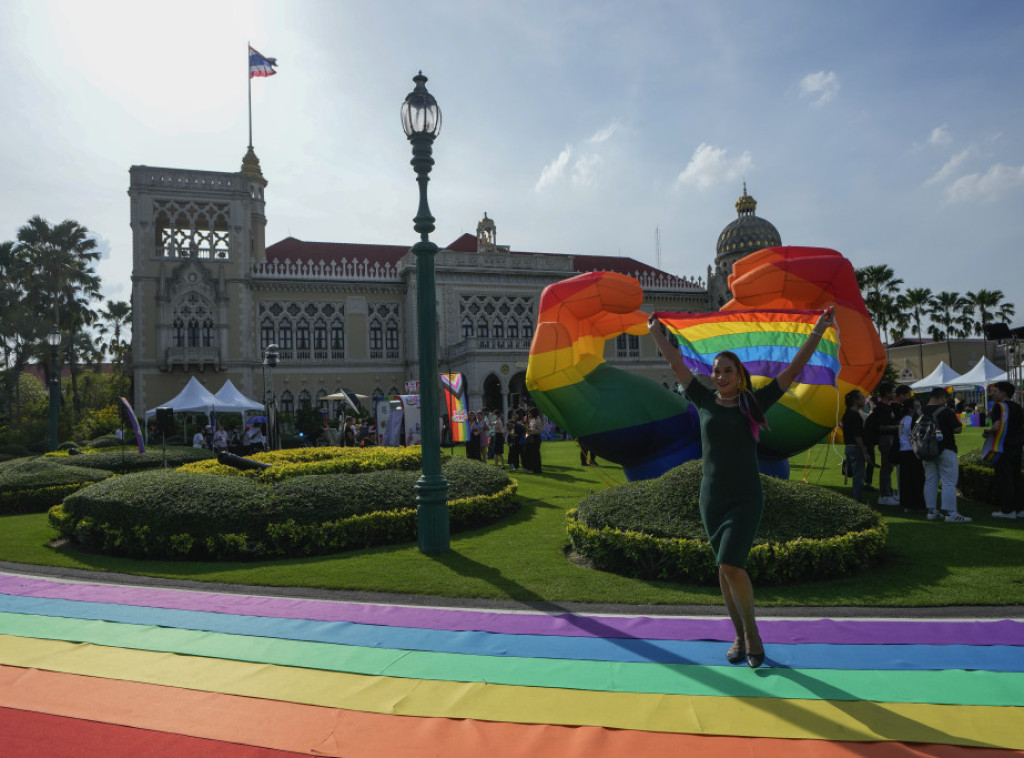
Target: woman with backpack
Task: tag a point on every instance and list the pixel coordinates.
(911, 476)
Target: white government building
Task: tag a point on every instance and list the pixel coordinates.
(209, 296)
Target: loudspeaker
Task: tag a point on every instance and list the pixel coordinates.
(165, 420)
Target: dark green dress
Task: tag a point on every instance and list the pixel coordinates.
(731, 500)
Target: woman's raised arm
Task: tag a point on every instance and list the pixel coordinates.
(788, 374)
(672, 355)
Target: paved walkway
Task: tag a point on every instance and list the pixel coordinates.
(108, 665)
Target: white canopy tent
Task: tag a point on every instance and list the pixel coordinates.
(195, 398)
(983, 374)
(229, 399)
(942, 376)
(1005, 377)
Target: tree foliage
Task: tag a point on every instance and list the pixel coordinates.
(48, 279)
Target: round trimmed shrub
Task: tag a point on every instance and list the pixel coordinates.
(127, 459)
(184, 514)
(653, 530)
(32, 485)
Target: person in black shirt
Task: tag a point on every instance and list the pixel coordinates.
(882, 428)
(945, 468)
(853, 435)
(1007, 466)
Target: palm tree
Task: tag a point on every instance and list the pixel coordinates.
(64, 255)
(880, 288)
(915, 303)
(951, 314)
(113, 319)
(989, 304)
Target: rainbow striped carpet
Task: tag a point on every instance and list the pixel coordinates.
(89, 669)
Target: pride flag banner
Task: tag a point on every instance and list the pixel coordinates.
(766, 342)
(129, 412)
(454, 386)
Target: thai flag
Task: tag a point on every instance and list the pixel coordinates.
(260, 66)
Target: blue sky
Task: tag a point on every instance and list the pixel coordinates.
(890, 131)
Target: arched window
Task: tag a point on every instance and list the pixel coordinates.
(527, 330)
(284, 333)
(513, 330)
(266, 334)
(305, 399)
(319, 335)
(287, 402)
(391, 339)
(376, 339)
(178, 332)
(481, 329)
(337, 339)
(467, 329)
(302, 339)
(499, 331)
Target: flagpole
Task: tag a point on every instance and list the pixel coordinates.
(248, 73)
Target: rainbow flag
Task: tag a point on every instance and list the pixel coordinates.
(766, 342)
(454, 386)
(994, 447)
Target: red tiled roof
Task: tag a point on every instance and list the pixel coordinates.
(298, 250)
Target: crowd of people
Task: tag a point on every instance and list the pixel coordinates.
(247, 442)
(918, 442)
(520, 433)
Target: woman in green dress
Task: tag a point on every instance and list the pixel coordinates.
(731, 500)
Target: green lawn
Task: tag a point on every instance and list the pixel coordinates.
(523, 558)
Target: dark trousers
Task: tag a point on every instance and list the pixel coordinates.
(513, 453)
(531, 455)
(911, 481)
(1008, 481)
(888, 463)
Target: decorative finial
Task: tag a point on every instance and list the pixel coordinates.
(746, 205)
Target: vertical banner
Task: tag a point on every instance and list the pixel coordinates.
(454, 386)
(134, 421)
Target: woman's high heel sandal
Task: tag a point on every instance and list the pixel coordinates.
(736, 653)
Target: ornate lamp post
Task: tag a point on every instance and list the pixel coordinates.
(270, 400)
(421, 121)
(53, 340)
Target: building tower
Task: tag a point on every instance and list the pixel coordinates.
(747, 234)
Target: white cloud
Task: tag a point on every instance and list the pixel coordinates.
(584, 170)
(821, 87)
(711, 165)
(950, 166)
(552, 172)
(604, 134)
(987, 186)
(940, 136)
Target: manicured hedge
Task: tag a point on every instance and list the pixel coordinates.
(184, 514)
(288, 464)
(652, 529)
(32, 485)
(977, 479)
(127, 459)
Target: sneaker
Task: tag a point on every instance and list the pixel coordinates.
(1000, 514)
(957, 518)
(889, 500)
(934, 515)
